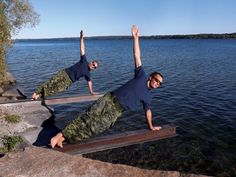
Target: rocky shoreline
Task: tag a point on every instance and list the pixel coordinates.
(38, 162)
(27, 160)
(35, 126)
(8, 89)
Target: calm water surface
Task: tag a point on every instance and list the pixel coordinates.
(198, 95)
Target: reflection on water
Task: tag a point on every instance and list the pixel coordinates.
(198, 95)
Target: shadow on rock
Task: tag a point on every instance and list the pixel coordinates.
(48, 130)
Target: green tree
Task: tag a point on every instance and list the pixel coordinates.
(4, 42)
(14, 15)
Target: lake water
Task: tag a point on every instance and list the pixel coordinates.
(198, 95)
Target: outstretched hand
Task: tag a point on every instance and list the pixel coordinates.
(156, 128)
(94, 93)
(81, 33)
(134, 31)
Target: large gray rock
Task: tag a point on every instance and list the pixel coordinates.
(10, 78)
(1, 90)
(12, 92)
(38, 162)
(4, 99)
(32, 114)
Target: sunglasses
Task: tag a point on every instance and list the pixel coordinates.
(94, 65)
(157, 81)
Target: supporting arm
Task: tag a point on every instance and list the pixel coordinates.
(90, 87)
(149, 120)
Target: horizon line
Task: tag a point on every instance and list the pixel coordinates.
(128, 36)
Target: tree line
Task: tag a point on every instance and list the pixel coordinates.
(190, 36)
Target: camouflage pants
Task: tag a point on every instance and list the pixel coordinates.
(101, 115)
(58, 83)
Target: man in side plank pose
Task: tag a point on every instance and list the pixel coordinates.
(64, 78)
(103, 113)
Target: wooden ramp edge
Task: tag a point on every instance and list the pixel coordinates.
(53, 101)
(118, 140)
(77, 99)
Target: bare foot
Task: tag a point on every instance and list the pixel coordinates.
(57, 140)
(35, 96)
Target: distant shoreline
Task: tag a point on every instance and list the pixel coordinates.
(189, 36)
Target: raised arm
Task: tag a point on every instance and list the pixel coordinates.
(82, 47)
(136, 48)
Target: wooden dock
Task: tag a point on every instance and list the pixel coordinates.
(118, 140)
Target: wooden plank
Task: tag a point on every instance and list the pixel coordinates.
(53, 101)
(118, 140)
(77, 99)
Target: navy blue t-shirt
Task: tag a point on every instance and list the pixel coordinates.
(134, 92)
(79, 69)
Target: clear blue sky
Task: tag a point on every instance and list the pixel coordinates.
(65, 18)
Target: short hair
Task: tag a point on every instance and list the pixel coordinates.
(156, 73)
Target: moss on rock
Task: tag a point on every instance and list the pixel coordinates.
(10, 142)
(12, 118)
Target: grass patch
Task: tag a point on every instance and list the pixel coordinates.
(2, 149)
(13, 119)
(10, 142)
